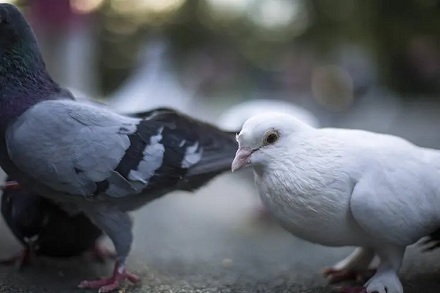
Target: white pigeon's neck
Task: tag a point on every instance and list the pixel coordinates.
(298, 126)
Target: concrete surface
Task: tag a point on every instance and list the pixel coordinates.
(211, 241)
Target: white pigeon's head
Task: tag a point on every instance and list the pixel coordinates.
(263, 138)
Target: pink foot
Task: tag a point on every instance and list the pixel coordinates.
(22, 259)
(351, 290)
(109, 284)
(101, 253)
(10, 185)
(336, 276)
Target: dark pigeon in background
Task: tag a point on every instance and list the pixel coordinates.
(44, 229)
(89, 159)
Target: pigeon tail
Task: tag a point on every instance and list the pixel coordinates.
(216, 159)
(214, 149)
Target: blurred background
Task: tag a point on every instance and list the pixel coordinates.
(372, 65)
(358, 64)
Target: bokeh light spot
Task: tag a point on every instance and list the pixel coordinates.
(85, 6)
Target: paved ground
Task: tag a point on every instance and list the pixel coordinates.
(211, 242)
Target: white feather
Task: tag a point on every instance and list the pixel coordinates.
(342, 187)
(192, 156)
(153, 158)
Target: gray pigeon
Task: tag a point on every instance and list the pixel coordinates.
(89, 159)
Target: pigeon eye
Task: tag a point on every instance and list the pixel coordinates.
(271, 138)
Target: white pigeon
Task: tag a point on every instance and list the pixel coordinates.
(340, 187)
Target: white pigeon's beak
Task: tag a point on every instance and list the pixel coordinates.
(241, 158)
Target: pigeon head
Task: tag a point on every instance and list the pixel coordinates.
(263, 137)
(24, 214)
(24, 80)
(17, 40)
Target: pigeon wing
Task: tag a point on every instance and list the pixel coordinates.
(82, 149)
(396, 202)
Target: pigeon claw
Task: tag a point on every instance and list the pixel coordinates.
(109, 284)
(336, 276)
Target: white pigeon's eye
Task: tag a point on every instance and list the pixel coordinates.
(271, 137)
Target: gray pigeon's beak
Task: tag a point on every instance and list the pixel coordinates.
(241, 158)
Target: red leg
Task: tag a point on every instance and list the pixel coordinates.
(336, 276)
(109, 284)
(9, 185)
(23, 258)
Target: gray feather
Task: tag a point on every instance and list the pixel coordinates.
(70, 156)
